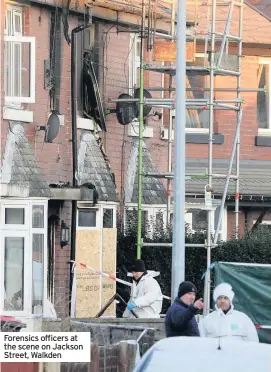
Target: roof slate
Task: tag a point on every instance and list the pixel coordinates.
(263, 6)
(92, 168)
(255, 177)
(19, 164)
(153, 190)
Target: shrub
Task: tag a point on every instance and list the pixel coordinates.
(255, 247)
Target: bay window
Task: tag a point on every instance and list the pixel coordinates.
(154, 218)
(197, 220)
(23, 227)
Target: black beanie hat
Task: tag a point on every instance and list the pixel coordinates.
(139, 267)
(186, 287)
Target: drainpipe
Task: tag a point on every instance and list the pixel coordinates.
(74, 32)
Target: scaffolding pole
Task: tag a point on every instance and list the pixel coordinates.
(236, 145)
(214, 69)
(187, 245)
(170, 127)
(233, 152)
(207, 283)
(239, 115)
(141, 128)
(211, 105)
(178, 249)
(200, 90)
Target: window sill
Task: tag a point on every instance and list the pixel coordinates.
(83, 123)
(203, 138)
(263, 140)
(133, 131)
(196, 137)
(15, 114)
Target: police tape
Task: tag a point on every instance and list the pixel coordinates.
(258, 326)
(109, 276)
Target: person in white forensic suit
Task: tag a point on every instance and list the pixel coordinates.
(146, 297)
(225, 321)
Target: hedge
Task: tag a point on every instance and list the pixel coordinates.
(253, 247)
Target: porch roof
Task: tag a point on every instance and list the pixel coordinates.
(19, 168)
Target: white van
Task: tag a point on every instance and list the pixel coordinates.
(196, 354)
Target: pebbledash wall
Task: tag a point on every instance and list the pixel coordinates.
(118, 60)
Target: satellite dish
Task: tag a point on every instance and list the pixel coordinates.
(125, 111)
(146, 109)
(52, 128)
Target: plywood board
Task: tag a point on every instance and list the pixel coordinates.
(166, 51)
(109, 266)
(87, 282)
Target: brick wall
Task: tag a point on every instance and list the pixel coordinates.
(54, 159)
(246, 220)
(225, 121)
(62, 268)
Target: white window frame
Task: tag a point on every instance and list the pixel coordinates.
(99, 216)
(15, 227)
(152, 211)
(223, 229)
(32, 41)
(134, 62)
(264, 131)
(18, 38)
(264, 222)
(113, 207)
(26, 231)
(195, 130)
(39, 230)
(27, 273)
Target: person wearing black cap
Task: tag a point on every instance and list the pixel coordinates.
(146, 296)
(180, 318)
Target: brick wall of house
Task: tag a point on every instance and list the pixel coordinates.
(55, 159)
(117, 142)
(225, 121)
(246, 220)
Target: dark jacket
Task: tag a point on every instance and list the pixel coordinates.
(180, 320)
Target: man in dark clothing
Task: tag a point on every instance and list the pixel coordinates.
(180, 318)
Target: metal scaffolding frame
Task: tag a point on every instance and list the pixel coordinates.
(214, 69)
(212, 39)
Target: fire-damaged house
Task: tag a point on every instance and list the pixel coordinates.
(69, 154)
(59, 197)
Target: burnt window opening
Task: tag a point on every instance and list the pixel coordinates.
(84, 44)
(54, 75)
(89, 99)
(92, 102)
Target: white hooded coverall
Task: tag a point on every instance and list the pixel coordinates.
(234, 324)
(147, 296)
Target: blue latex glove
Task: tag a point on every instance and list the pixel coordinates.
(131, 306)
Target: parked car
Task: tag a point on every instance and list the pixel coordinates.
(10, 324)
(195, 354)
